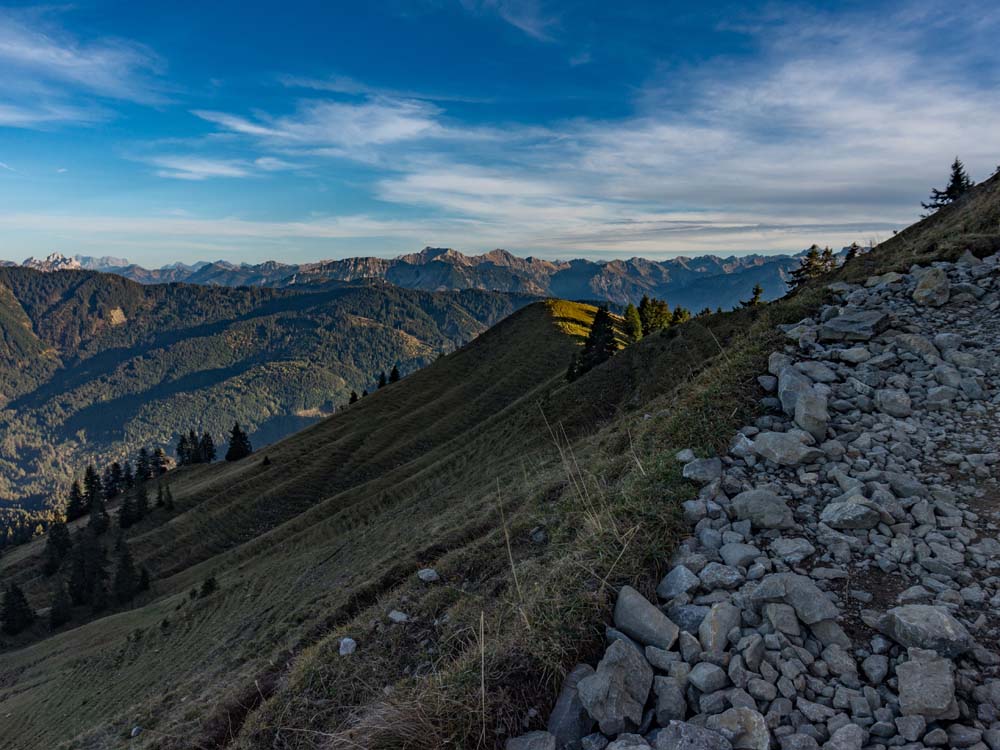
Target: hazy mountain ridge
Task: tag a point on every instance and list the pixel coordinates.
(682, 280)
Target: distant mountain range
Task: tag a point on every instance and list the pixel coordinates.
(695, 283)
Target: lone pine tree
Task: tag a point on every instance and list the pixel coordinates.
(394, 374)
(756, 296)
(958, 184)
(239, 444)
(601, 344)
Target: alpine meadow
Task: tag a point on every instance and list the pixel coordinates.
(706, 459)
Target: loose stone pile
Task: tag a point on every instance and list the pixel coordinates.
(841, 586)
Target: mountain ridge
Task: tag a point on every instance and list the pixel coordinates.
(681, 280)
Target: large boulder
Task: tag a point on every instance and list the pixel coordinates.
(638, 619)
(763, 509)
(927, 686)
(784, 448)
(569, 721)
(933, 288)
(928, 627)
(859, 325)
(615, 694)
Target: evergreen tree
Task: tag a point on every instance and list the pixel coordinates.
(354, 398)
(143, 579)
(76, 507)
(127, 514)
(810, 268)
(99, 519)
(381, 379)
(827, 259)
(852, 252)
(654, 314)
(16, 612)
(600, 345)
(61, 610)
(194, 448)
(206, 448)
(57, 545)
(364, 393)
(88, 563)
(126, 580)
(117, 478)
(755, 296)
(160, 500)
(633, 323)
(958, 184)
(183, 450)
(680, 315)
(128, 478)
(159, 462)
(168, 499)
(92, 489)
(394, 374)
(239, 444)
(143, 467)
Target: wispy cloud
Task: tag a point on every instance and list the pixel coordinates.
(197, 168)
(336, 124)
(527, 15)
(49, 74)
(7, 167)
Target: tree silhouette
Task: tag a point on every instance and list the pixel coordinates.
(958, 184)
(239, 444)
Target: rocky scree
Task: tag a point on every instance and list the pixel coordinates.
(840, 588)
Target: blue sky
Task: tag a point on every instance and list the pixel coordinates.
(299, 131)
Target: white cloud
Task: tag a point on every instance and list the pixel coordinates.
(7, 167)
(197, 168)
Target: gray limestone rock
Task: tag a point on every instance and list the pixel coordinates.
(616, 693)
(638, 619)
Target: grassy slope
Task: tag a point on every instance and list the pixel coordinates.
(323, 544)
